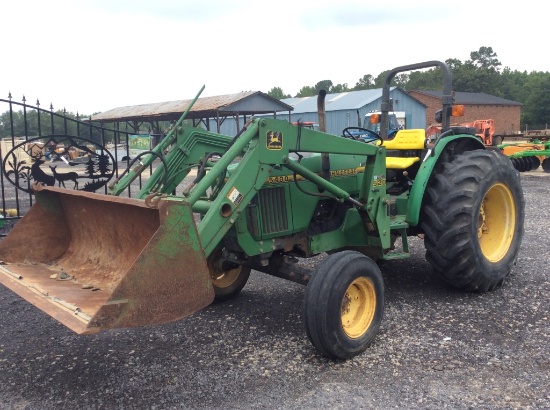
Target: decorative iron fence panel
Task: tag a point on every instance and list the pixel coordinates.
(55, 148)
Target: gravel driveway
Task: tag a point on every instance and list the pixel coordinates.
(438, 347)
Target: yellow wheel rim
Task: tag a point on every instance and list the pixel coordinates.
(221, 278)
(496, 222)
(358, 307)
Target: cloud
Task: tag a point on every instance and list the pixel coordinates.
(189, 10)
(354, 14)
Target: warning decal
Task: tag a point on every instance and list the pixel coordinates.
(235, 196)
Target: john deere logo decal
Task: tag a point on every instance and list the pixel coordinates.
(274, 140)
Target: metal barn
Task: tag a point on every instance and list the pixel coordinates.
(348, 109)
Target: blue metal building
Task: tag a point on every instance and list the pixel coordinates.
(347, 109)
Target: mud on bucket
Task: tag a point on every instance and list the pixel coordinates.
(96, 262)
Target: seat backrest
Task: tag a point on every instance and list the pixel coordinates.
(407, 140)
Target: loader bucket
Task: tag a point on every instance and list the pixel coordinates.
(97, 262)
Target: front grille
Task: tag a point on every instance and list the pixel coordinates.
(273, 210)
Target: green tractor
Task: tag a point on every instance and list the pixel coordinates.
(264, 200)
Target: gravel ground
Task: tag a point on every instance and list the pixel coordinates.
(438, 347)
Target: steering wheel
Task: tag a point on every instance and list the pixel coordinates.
(360, 134)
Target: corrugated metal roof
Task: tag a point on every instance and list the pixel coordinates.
(472, 98)
(335, 102)
(245, 103)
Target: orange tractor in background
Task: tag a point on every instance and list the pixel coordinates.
(483, 129)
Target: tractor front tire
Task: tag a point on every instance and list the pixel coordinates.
(227, 279)
(473, 220)
(344, 305)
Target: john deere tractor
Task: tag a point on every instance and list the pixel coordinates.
(264, 200)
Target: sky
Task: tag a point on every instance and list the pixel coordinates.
(89, 56)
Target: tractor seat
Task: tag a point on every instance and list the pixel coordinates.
(400, 162)
(405, 140)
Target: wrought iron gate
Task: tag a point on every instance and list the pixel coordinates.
(54, 148)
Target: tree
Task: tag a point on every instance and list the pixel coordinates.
(424, 80)
(340, 88)
(480, 73)
(306, 91)
(323, 85)
(277, 92)
(536, 111)
(401, 80)
(365, 83)
(453, 63)
(485, 58)
(380, 79)
(513, 84)
(326, 85)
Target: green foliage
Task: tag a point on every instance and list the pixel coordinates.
(380, 79)
(323, 85)
(340, 88)
(327, 85)
(537, 105)
(277, 92)
(512, 85)
(32, 123)
(369, 82)
(306, 91)
(485, 58)
(365, 83)
(428, 80)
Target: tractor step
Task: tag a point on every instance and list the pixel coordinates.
(399, 225)
(396, 255)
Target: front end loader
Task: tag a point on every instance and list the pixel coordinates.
(273, 195)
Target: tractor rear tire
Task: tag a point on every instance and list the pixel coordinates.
(227, 279)
(344, 305)
(473, 220)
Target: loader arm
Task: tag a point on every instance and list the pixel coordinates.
(123, 182)
(192, 146)
(261, 157)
